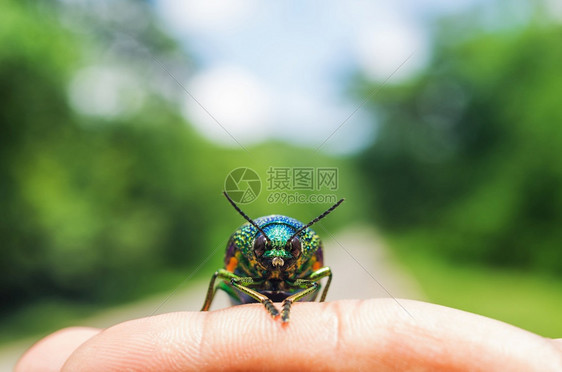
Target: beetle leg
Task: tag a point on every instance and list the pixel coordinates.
(241, 284)
(319, 274)
(254, 294)
(210, 292)
(222, 274)
(286, 306)
(310, 286)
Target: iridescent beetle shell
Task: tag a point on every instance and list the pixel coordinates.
(241, 260)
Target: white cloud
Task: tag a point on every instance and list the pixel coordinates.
(105, 91)
(383, 46)
(554, 10)
(305, 119)
(207, 16)
(235, 98)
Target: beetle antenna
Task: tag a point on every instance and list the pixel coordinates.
(328, 211)
(248, 218)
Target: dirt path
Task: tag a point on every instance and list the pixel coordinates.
(362, 267)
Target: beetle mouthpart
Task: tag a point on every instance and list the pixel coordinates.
(277, 261)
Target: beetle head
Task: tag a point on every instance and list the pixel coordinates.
(280, 249)
(277, 246)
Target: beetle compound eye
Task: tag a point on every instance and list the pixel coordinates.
(259, 245)
(295, 247)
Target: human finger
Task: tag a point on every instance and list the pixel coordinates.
(371, 334)
(50, 353)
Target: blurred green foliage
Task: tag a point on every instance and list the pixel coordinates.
(86, 202)
(530, 300)
(467, 156)
(96, 208)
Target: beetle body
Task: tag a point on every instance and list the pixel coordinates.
(271, 259)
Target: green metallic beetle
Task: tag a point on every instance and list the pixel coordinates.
(272, 259)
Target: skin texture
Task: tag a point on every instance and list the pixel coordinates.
(341, 335)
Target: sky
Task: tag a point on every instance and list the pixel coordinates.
(281, 70)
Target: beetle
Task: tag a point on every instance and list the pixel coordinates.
(272, 259)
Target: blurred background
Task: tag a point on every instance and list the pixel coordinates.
(120, 121)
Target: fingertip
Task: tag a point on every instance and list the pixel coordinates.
(155, 343)
(51, 352)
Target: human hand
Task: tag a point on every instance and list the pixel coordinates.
(341, 335)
